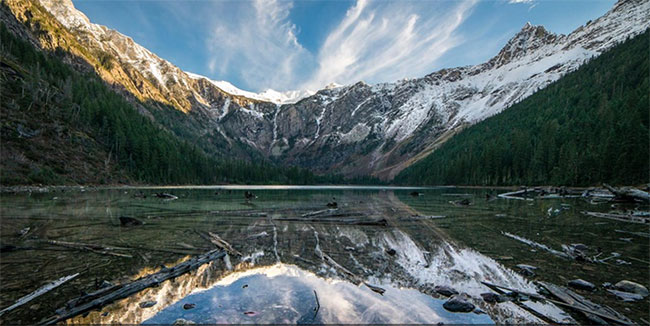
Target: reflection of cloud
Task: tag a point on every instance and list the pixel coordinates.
(284, 291)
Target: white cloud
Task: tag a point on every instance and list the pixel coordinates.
(256, 40)
(520, 1)
(386, 41)
(376, 41)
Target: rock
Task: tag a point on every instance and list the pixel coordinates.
(7, 248)
(189, 306)
(249, 195)
(105, 313)
(458, 304)
(332, 204)
(490, 297)
(582, 285)
(181, 321)
(165, 195)
(130, 221)
(391, 251)
(462, 202)
(148, 304)
(445, 290)
(608, 285)
(626, 296)
(526, 270)
(632, 287)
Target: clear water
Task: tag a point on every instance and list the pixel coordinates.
(461, 249)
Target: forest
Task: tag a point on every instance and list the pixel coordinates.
(589, 127)
(62, 126)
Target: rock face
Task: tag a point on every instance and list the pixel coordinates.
(357, 129)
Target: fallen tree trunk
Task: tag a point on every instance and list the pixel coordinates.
(619, 217)
(626, 193)
(126, 290)
(599, 314)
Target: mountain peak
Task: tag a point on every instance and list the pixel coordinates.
(528, 39)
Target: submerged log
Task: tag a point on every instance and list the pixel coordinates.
(98, 249)
(40, 291)
(133, 287)
(597, 313)
(630, 218)
(346, 221)
(223, 244)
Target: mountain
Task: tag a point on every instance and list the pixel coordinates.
(355, 129)
(590, 126)
(62, 123)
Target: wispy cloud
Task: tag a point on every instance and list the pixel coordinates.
(376, 41)
(386, 41)
(256, 40)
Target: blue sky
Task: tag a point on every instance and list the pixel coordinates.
(307, 44)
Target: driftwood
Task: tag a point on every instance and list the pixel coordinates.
(548, 319)
(575, 301)
(599, 314)
(40, 291)
(109, 295)
(98, 249)
(221, 243)
(537, 245)
(631, 218)
(347, 221)
(629, 194)
(216, 240)
(351, 275)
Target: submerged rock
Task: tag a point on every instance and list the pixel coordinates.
(527, 270)
(181, 321)
(445, 290)
(148, 304)
(632, 287)
(458, 304)
(582, 285)
(130, 221)
(490, 297)
(626, 296)
(189, 306)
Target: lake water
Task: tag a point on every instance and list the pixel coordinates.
(294, 248)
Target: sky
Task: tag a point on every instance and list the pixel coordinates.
(308, 44)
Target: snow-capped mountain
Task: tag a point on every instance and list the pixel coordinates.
(355, 129)
(268, 95)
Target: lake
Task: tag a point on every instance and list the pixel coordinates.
(300, 260)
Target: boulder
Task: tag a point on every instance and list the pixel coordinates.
(458, 304)
(582, 285)
(632, 287)
(445, 290)
(148, 304)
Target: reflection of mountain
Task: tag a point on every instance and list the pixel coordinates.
(423, 257)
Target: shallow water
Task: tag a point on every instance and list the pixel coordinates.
(461, 249)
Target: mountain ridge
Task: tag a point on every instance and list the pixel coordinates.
(361, 129)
